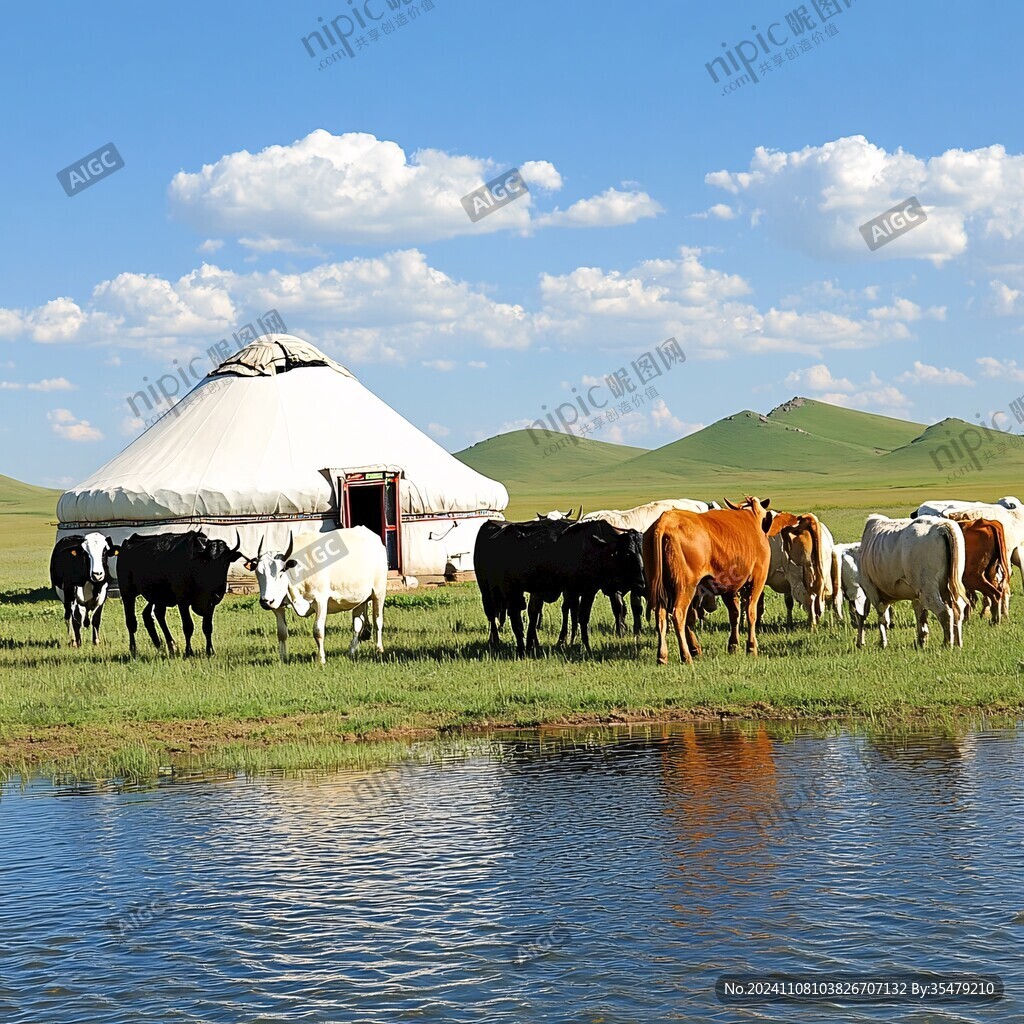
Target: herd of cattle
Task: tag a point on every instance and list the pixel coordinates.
(681, 556)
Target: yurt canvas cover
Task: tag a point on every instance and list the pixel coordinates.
(280, 439)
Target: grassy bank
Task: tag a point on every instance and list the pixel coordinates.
(94, 711)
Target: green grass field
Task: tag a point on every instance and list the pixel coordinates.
(93, 711)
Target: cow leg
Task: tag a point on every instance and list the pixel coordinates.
(788, 598)
(282, 634)
(586, 603)
(147, 621)
(96, 616)
(319, 626)
(753, 612)
(533, 614)
(187, 627)
(358, 621)
(691, 621)
(618, 612)
(637, 606)
(515, 616)
(679, 612)
(130, 621)
(161, 617)
(921, 615)
(732, 606)
(567, 610)
(208, 632)
(71, 618)
(661, 617)
(377, 604)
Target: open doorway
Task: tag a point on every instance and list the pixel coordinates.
(371, 500)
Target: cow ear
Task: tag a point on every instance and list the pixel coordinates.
(74, 552)
(765, 502)
(250, 565)
(290, 564)
(729, 504)
(115, 550)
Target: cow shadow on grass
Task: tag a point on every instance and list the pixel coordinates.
(35, 595)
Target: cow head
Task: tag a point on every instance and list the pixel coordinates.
(272, 574)
(758, 506)
(207, 550)
(98, 549)
(628, 557)
(556, 514)
(1010, 502)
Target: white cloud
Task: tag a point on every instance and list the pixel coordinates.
(541, 174)
(609, 209)
(1005, 369)
(357, 189)
(922, 373)
(819, 378)
(476, 364)
(720, 211)
(1004, 298)
(398, 308)
(69, 427)
(437, 430)
(816, 198)
(211, 245)
(49, 384)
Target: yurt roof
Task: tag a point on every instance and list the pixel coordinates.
(254, 437)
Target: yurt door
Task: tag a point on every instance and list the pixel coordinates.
(371, 500)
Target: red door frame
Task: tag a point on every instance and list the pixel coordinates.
(381, 482)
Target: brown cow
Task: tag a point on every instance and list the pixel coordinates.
(986, 567)
(797, 567)
(724, 549)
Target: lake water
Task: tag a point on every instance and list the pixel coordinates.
(552, 875)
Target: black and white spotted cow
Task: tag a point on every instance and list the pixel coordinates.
(80, 574)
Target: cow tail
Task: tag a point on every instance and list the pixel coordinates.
(999, 557)
(955, 544)
(653, 571)
(818, 554)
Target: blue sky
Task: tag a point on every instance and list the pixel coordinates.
(256, 179)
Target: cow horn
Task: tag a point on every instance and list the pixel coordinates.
(238, 542)
(291, 544)
(579, 515)
(259, 550)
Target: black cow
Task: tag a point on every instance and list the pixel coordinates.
(549, 559)
(80, 573)
(182, 570)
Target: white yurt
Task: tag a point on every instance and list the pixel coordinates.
(281, 439)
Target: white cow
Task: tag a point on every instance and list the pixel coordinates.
(1009, 511)
(919, 560)
(344, 570)
(643, 516)
(849, 583)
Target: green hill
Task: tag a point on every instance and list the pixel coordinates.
(532, 457)
(752, 442)
(847, 426)
(955, 450)
(802, 452)
(18, 497)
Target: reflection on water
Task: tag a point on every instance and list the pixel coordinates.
(556, 875)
